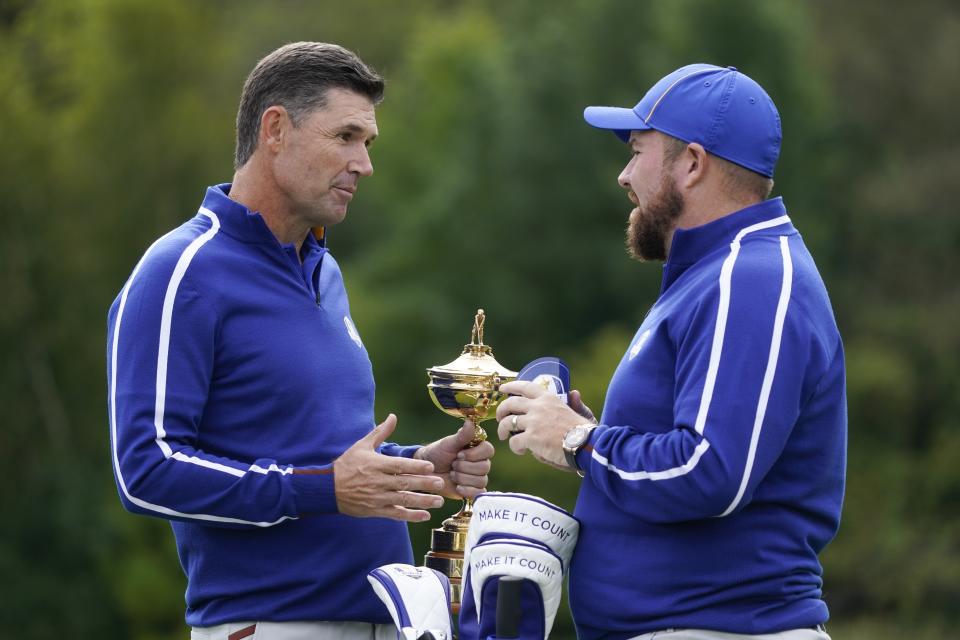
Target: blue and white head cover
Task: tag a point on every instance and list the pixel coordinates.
(525, 517)
(542, 587)
(418, 599)
(521, 536)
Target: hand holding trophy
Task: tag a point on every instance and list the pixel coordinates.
(467, 388)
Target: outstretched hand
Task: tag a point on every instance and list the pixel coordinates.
(370, 484)
(463, 470)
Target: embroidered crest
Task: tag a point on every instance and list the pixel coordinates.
(410, 572)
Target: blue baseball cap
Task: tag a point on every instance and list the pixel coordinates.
(719, 107)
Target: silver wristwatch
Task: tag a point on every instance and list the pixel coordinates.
(573, 441)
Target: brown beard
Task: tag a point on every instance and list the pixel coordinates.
(648, 230)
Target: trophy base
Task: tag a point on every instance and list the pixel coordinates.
(447, 565)
(446, 553)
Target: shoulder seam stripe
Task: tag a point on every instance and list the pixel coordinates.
(166, 320)
(726, 275)
(775, 342)
(158, 421)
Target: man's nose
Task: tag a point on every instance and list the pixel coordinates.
(361, 164)
(624, 178)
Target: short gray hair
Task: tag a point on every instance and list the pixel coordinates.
(297, 76)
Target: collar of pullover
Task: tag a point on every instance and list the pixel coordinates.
(245, 225)
(691, 245)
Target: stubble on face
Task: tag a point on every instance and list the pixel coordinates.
(651, 225)
(326, 157)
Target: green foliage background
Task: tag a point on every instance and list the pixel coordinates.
(490, 191)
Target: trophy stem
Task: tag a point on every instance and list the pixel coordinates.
(466, 510)
(449, 541)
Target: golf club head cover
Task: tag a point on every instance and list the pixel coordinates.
(541, 572)
(525, 517)
(538, 531)
(418, 599)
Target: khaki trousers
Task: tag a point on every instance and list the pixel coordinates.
(295, 631)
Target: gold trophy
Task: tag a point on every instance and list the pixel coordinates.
(467, 388)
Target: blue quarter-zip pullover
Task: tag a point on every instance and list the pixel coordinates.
(716, 475)
(235, 378)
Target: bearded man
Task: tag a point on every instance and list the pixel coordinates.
(715, 474)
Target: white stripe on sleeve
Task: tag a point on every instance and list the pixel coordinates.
(775, 341)
(166, 319)
(716, 350)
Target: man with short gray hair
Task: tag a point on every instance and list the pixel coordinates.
(241, 394)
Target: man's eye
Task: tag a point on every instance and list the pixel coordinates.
(345, 136)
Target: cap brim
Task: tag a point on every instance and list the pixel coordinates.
(617, 119)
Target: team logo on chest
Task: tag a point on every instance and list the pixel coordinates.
(352, 331)
(638, 345)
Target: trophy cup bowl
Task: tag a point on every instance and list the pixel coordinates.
(467, 388)
(469, 393)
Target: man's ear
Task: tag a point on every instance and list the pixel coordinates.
(691, 166)
(273, 126)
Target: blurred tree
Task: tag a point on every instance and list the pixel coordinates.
(490, 191)
(891, 68)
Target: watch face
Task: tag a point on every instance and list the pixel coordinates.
(576, 437)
